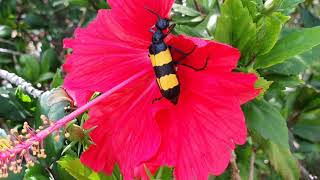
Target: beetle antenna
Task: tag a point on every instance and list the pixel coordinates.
(150, 10)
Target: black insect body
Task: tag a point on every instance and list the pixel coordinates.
(162, 62)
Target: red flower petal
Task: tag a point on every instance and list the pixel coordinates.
(134, 19)
(113, 36)
(196, 136)
(222, 58)
(131, 134)
(96, 54)
(100, 157)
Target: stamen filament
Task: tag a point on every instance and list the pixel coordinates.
(23, 147)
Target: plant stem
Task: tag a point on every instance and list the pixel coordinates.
(50, 173)
(6, 41)
(8, 51)
(18, 81)
(199, 7)
(252, 159)
(305, 175)
(293, 118)
(235, 170)
(251, 61)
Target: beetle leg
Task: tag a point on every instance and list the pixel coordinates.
(156, 99)
(194, 68)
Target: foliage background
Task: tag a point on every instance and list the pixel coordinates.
(279, 40)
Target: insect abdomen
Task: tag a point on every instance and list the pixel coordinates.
(166, 75)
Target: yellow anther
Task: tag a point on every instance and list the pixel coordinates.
(36, 143)
(67, 135)
(12, 131)
(23, 152)
(57, 138)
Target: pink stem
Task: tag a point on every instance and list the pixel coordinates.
(60, 123)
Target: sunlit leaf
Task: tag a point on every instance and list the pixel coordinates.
(289, 46)
(269, 28)
(79, 171)
(235, 26)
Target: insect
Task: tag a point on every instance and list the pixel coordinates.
(163, 64)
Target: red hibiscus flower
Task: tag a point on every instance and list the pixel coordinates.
(196, 136)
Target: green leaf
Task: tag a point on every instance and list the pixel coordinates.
(309, 20)
(207, 4)
(30, 68)
(182, 29)
(5, 60)
(285, 81)
(185, 10)
(74, 167)
(45, 77)
(10, 107)
(22, 96)
(53, 103)
(235, 26)
(48, 60)
(243, 160)
(13, 176)
(188, 20)
(103, 5)
(269, 28)
(293, 66)
(164, 173)
(267, 121)
(308, 125)
(253, 6)
(61, 173)
(5, 31)
(79, 171)
(288, 6)
(308, 130)
(263, 84)
(83, 3)
(284, 6)
(289, 46)
(35, 20)
(282, 160)
(297, 64)
(57, 79)
(36, 172)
